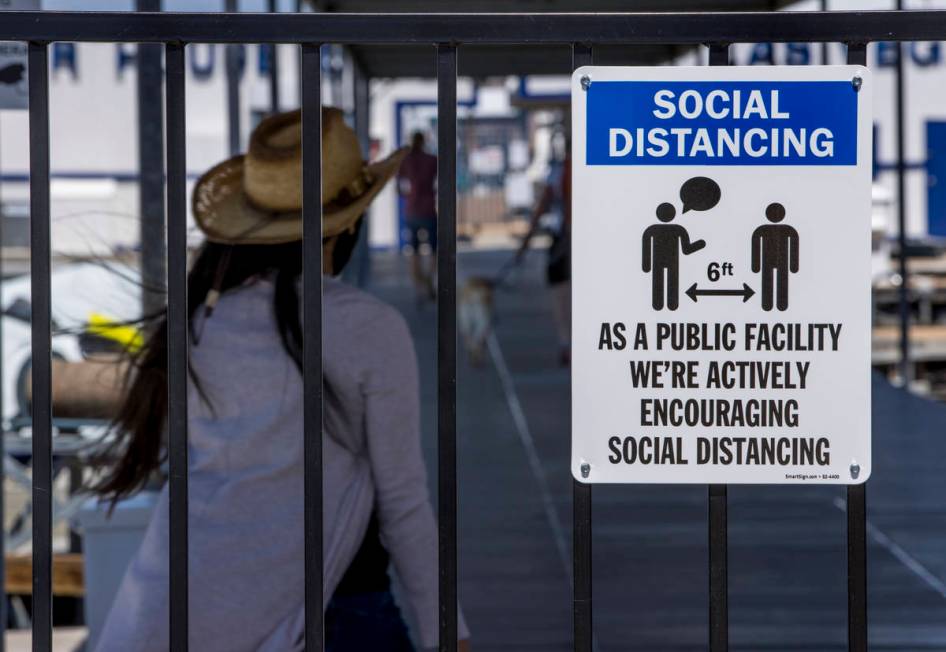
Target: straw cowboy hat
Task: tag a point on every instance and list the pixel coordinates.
(256, 198)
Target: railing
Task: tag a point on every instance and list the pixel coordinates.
(445, 32)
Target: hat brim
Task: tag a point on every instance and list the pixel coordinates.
(226, 216)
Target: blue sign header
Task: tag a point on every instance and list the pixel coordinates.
(721, 123)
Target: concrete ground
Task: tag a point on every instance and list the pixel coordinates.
(787, 544)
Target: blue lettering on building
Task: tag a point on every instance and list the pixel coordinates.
(264, 61)
(887, 54)
(64, 56)
(721, 123)
(125, 54)
(201, 57)
(798, 54)
(925, 54)
(762, 53)
(202, 67)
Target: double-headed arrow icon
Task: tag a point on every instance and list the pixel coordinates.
(746, 293)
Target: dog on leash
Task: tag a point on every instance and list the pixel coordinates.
(475, 316)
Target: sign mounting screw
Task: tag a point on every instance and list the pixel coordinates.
(585, 82)
(855, 470)
(856, 82)
(585, 469)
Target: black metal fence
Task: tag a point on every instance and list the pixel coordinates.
(446, 33)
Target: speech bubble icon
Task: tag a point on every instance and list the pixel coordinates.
(699, 194)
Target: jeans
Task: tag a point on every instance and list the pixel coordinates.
(363, 622)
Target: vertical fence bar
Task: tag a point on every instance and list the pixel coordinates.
(273, 66)
(232, 55)
(582, 55)
(177, 342)
(447, 341)
(150, 113)
(3, 562)
(581, 543)
(857, 508)
(857, 568)
(718, 571)
(41, 404)
(718, 517)
(359, 269)
(312, 341)
(719, 54)
(906, 372)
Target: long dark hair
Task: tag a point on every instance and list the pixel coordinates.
(137, 448)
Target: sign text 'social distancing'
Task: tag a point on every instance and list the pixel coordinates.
(721, 275)
(732, 123)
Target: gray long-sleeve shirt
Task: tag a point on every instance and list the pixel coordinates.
(246, 478)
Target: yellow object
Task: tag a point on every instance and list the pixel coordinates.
(129, 337)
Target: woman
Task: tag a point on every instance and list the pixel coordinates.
(245, 433)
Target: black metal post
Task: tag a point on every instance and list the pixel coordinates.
(719, 573)
(361, 258)
(177, 343)
(312, 338)
(41, 404)
(273, 68)
(74, 469)
(3, 561)
(857, 507)
(682, 28)
(627, 28)
(447, 341)
(582, 603)
(719, 55)
(582, 55)
(233, 89)
(718, 517)
(824, 46)
(857, 568)
(151, 171)
(906, 370)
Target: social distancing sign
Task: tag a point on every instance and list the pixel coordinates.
(721, 274)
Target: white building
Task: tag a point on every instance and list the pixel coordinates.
(94, 141)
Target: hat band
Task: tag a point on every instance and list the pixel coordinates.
(356, 188)
(351, 193)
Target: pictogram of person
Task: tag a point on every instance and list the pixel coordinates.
(775, 254)
(662, 246)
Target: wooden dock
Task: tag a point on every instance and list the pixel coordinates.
(787, 544)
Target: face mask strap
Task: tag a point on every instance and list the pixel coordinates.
(213, 295)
